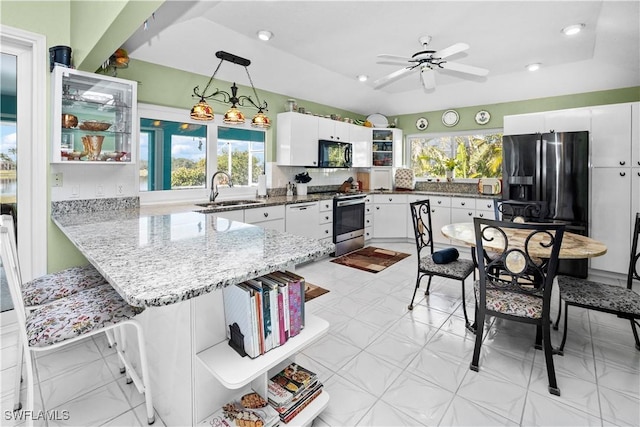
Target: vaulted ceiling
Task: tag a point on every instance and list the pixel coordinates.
(319, 47)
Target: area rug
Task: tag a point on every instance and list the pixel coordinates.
(313, 291)
(371, 259)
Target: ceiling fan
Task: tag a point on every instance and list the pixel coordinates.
(427, 61)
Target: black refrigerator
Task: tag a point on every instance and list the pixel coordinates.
(553, 168)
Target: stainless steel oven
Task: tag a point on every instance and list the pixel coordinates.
(348, 222)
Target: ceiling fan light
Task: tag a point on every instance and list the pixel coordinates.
(265, 35)
(202, 111)
(260, 120)
(362, 78)
(233, 116)
(572, 30)
(534, 67)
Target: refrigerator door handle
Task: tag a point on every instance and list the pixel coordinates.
(541, 170)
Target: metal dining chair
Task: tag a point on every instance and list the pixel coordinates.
(622, 301)
(520, 211)
(68, 320)
(459, 269)
(504, 288)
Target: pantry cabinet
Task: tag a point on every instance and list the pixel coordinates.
(94, 118)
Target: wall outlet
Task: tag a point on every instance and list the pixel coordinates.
(99, 190)
(120, 189)
(56, 179)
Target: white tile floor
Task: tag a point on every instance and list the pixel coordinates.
(384, 365)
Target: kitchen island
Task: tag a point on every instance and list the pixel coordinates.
(172, 264)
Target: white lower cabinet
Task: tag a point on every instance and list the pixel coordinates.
(302, 219)
(463, 209)
(485, 208)
(269, 217)
(390, 215)
(368, 217)
(325, 220)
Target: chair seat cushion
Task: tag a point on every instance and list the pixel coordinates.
(51, 287)
(458, 269)
(512, 300)
(599, 295)
(76, 315)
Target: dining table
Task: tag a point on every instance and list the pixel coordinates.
(574, 246)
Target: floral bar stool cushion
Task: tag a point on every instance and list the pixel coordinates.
(76, 315)
(54, 286)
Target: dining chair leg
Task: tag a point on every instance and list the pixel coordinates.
(560, 350)
(418, 279)
(480, 315)
(29, 362)
(539, 338)
(428, 286)
(635, 333)
(17, 404)
(555, 326)
(464, 310)
(548, 356)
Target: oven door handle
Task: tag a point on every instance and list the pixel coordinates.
(349, 202)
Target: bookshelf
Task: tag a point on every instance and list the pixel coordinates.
(234, 371)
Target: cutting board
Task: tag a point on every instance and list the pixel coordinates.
(363, 177)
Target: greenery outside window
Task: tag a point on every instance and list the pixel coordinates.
(470, 155)
(241, 155)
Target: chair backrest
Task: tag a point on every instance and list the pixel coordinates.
(634, 267)
(526, 257)
(9, 262)
(517, 211)
(7, 221)
(421, 216)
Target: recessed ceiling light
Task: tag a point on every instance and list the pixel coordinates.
(265, 35)
(363, 78)
(534, 66)
(572, 30)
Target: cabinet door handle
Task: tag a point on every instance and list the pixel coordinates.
(481, 215)
(470, 213)
(638, 173)
(377, 207)
(439, 202)
(326, 231)
(622, 163)
(390, 199)
(462, 203)
(326, 217)
(638, 162)
(266, 214)
(623, 173)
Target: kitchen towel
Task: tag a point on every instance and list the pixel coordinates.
(262, 185)
(445, 256)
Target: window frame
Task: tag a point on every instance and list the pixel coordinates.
(151, 111)
(429, 135)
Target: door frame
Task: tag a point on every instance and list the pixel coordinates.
(33, 146)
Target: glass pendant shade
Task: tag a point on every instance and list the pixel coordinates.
(261, 121)
(202, 111)
(234, 116)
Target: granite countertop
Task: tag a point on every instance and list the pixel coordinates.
(162, 259)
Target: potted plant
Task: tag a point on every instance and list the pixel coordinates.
(450, 164)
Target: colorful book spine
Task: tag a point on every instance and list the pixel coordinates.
(302, 406)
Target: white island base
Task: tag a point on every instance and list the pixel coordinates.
(194, 371)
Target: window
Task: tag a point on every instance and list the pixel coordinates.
(178, 157)
(468, 155)
(172, 155)
(241, 154)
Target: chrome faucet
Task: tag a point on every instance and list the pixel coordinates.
(214, 186)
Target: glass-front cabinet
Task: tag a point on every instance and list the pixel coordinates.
(93, 117)
(386, 147)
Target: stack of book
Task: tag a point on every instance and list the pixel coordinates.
(292, 390)
(251, 410)
(263, 313)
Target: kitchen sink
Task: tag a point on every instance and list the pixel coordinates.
(226, 203)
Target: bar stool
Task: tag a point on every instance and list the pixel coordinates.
(70, 319)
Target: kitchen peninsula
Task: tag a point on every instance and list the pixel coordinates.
(173, 264)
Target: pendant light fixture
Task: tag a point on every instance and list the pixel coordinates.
(203, 111)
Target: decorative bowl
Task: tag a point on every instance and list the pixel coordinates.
(93, 145)
(69, 121)
(94, 125)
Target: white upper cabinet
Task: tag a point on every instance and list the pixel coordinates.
(523, 124)
(360, 137)
(297, 136)
(635, 134)
(611, 135)
(573, 120)
(333, 130)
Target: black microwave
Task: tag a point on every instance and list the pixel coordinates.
(333, 154)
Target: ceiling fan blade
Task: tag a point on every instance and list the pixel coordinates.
(462, 68)
(451, 50)
(395, 57)
(401, 63)
(382, 81)
(427, 77)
